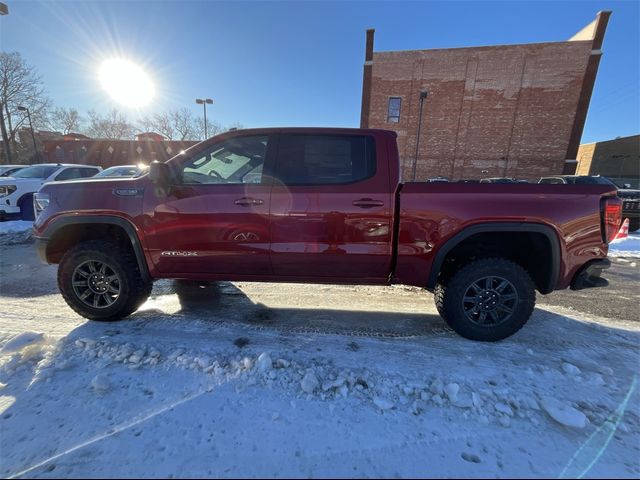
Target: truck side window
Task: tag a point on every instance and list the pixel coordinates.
(325, 159)
(233, 161)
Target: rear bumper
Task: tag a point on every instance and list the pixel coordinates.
(589, 275)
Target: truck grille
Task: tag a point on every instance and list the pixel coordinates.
(631, 205)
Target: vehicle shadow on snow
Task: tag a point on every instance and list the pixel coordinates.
(224, 304)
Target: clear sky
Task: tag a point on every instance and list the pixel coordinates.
(299, 63)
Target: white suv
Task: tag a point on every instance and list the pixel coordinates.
(16, 193)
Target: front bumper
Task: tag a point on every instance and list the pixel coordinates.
(589, 275)
(9, 209)
(41, 248)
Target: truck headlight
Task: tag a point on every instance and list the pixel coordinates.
(7, 190)
(40, 202)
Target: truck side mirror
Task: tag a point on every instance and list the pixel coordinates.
(159, 176)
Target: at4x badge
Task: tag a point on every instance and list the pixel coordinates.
(172, 253)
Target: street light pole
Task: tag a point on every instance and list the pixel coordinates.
(423, 95)
(204, 102)
(33, 136)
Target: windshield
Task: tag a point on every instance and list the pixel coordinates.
(37, 171)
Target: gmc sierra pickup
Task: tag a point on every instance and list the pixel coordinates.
(323, 206)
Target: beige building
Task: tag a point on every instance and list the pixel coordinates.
(618, 159)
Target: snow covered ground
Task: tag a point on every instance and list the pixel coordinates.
(628, 247)
(271, 380)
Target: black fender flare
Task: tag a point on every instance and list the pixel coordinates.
(127, 226)
(524, 227)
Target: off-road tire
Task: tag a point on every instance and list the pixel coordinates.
(449, 299)
(133, 289)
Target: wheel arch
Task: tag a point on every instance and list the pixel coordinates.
(547, 280)
(65, 232)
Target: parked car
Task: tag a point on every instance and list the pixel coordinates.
(630, 197)
(16, 192)
(498, 180)
(122, 171)
(438, 180)
(325, 206)
(8, 170)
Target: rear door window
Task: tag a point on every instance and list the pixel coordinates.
(325, 159)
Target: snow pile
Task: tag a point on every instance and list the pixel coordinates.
(20, 341)
(15, 232)
(26, 349)
(628, 247)
(320, 380)
(15, 226)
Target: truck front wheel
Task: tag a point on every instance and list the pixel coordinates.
(101, 281)
(487, 300)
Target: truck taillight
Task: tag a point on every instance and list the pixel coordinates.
(611, 217)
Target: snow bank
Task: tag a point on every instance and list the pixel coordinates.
(628, 247)
(18, 342)
(15, 232)
(15, 226)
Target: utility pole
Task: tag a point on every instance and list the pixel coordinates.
(33, 135)
(423, 95)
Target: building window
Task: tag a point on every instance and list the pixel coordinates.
(393, 113)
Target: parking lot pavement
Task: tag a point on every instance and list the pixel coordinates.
(267, 380)
(620, 300)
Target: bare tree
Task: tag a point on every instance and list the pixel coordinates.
(183, 122)
(213, 128)
(113, 125)
(174, 124)
(65, 120)
(183, 125)
(20, 85)
(161, 123)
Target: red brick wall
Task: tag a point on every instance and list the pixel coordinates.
(507, 109)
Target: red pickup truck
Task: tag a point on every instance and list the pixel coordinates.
(323, 205)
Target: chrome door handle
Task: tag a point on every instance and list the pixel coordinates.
(367, 203)
(247, 201)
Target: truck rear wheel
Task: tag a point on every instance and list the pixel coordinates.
(487, 300)
(101, 281)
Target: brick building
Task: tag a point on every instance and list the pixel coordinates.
(506, 110)
(618, 159)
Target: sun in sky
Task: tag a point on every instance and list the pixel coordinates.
(126, 82)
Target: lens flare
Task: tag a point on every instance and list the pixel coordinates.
(126, 82)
